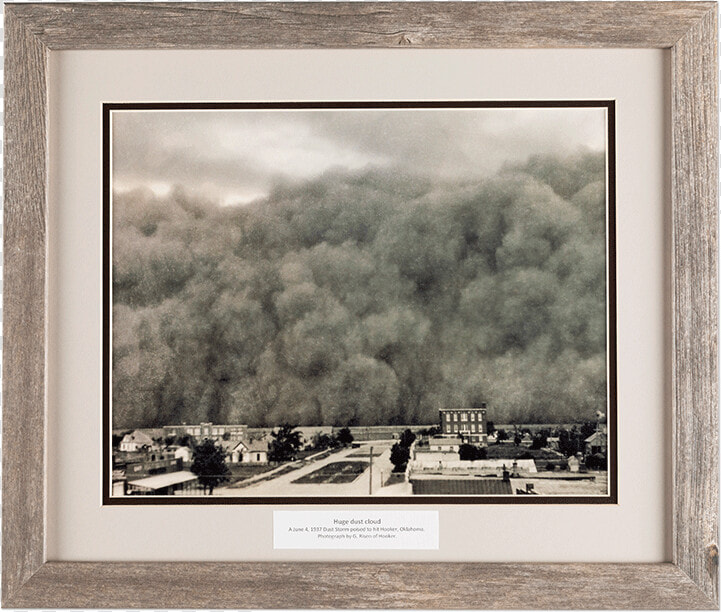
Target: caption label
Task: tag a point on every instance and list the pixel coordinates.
(348, 529)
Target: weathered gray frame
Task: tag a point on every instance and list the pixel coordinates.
(688, 29)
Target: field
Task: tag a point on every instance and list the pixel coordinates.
(339, 472)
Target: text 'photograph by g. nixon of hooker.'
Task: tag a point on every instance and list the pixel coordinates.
(359, 302)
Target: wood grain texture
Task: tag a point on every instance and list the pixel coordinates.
(687, 27)
(361, 24)
(695, 304)
(361, 585)
(24, 306)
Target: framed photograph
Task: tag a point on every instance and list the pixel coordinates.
(365, 298)
(363, 321)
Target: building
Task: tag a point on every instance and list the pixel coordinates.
(596, 443)
(445, 445)
(450, 465)
(136, 441)
(164, 484)
(150, 464)
(252, 451)
(207, 430)
(448, 485)
(467, 423)
(183, 452)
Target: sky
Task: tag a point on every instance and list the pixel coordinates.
(236, 156)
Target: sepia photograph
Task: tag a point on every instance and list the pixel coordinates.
(359, 302)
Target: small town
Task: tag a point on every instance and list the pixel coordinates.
(464, 454)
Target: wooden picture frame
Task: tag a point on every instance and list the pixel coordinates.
(688, 29)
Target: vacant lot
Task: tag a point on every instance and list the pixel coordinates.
(334, 473)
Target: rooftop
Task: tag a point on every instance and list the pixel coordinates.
(164, 480)
(138, 437)
(599, 435)
(445, 441)
(444, 485)
(257, 445)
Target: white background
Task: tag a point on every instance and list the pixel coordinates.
(631, 531)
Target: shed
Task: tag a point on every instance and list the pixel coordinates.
(163, 484)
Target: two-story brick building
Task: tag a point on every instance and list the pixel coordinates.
(467, 423)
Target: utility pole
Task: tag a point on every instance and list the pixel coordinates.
(370, 473)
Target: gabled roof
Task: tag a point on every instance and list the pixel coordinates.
(599, 436)
(257, 446)
(227, 445)
(139, 438)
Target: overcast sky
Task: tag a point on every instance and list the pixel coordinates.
(236, 156)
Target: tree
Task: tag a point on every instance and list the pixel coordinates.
(399, 457)
(570, 443)
(323, 441)
(407, 438)
(117, 439)
(517, 439)
(469, 452)
(285, 443)
(501, 436)
(588, 429)
(345, 437)
(540, 440)
(490, 428)
(169, 440)
(185, 441)
(596, 462)
(209, 465)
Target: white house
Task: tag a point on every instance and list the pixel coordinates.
(184, 453)
(253, 451)
(244, 451)
(135, 441)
